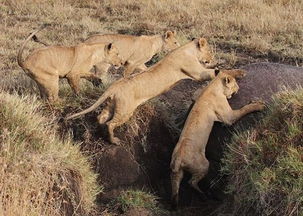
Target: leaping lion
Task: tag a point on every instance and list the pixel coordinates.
(127, 94)
(211, 105)
(136, 50)
(46, 65)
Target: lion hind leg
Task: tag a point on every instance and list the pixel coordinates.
(107, 113)
(53, 90)
(176, 178)
(195, 180)
(116, 121)
(42, 91)
(49, 86)
(198, 173)
(112, 124)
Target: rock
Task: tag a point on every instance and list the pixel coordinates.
(265, 79)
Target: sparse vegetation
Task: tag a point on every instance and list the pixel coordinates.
(265, 163)
(40, 173)
(138, 199)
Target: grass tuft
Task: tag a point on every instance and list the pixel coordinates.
(41, 174)
(129, 199)
(265, 164)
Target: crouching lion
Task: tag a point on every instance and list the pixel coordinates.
(210, 106)
(127, 94)
(136, 50)
(46, 65)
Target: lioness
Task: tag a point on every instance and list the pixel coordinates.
(46, 65)
(210, 106)
(136, 50)
(127, 94)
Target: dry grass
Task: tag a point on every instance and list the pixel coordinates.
(40, 173)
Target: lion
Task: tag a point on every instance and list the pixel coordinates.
(46, 65)
(136, 50)
(125, 95)
(210, 106)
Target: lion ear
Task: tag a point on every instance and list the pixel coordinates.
(174, 32)
(226, 80)
(168, 34)
(202, 42)
(109, 46)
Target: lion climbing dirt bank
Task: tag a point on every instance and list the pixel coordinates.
(210, 106)
(46, 65)
(136, 50)
(126, 95)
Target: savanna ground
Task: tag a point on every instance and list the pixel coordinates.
(240, 32)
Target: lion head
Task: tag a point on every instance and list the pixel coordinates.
(230, 86)
(205, 54)
(112, 55)
(170, 41)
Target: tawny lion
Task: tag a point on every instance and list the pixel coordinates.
(127, 94)
(46, 65)
(136, 50)
(210, 106)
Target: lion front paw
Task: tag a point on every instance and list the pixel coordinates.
(240, 73)
(258, 105)
(236, 73)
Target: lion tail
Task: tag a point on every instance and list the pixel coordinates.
(19, 58)
(106, 95)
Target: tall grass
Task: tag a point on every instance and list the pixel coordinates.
(265, 164)
(40, 174)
